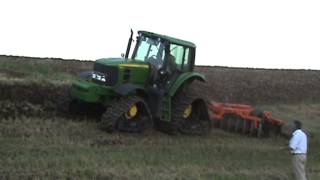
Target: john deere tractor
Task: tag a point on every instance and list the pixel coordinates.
(153, 88)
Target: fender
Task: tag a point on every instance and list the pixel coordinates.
(129, 88)
(184, 78)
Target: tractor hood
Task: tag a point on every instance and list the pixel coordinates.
(122, 62)
(117, 71)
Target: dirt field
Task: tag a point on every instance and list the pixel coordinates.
(255, 86)
(37, 143)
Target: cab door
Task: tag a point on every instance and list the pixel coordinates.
(182, 56)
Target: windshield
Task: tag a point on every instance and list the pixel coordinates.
(150, 50)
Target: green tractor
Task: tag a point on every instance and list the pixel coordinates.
(153, 88)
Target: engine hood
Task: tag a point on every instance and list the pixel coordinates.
(122, 63)
(117, 71)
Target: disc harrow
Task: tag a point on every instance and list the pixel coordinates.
(244, 119)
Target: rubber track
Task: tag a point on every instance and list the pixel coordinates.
(179, 104)
(110, 117)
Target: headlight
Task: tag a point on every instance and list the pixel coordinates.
(99, 77)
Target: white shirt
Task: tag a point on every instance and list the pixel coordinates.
(298, 142)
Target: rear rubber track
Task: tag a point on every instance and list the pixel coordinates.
(200, 123)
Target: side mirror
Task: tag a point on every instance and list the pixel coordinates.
(122, 55)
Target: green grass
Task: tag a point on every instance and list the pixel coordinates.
(60, 149)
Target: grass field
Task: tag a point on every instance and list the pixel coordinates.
(58, 148)
(54, 147)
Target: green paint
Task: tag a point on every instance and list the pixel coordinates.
(151, 53)
(183, 79)
(90, 92)
(166, 110)
(138, 71)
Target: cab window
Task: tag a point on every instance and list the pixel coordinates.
(151, 51)
(181, 55)
(186, 60)
(177, 52)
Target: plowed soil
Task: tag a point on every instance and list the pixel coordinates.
(236, 85)
(261, 86)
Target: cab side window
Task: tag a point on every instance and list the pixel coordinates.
(177, 52)
(182, 56)
(186, 60)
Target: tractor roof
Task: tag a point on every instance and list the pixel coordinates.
(170, 39)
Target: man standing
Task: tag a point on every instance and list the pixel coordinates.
(298, 148)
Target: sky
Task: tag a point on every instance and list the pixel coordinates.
(282, 34)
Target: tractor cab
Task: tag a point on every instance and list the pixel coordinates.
(168, 57)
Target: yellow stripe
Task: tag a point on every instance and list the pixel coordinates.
(134, 65)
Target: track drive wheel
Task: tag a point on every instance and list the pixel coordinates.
(190, 113)
(130, 114)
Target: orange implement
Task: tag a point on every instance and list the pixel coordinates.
(244, 118)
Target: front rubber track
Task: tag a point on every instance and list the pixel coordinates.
(113, 118)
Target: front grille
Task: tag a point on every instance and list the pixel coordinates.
(110, 74)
